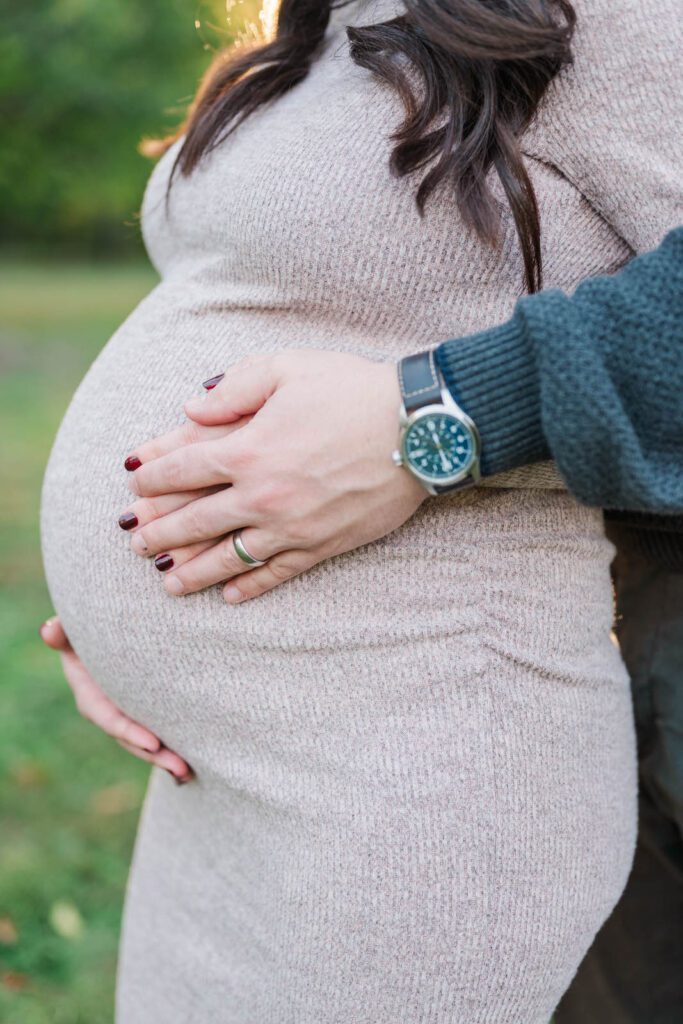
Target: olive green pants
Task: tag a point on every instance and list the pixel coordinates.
(633, 974)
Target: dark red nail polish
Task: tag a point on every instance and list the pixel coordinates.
(128, 521)
(132, 463)
(178, 781)
(210, 384)
(163, 563)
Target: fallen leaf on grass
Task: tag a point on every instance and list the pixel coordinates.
(116, 799)
(66, 920)
(30, 775)
(8, 931)
(13, 981)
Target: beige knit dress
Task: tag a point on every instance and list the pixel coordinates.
(415, 794)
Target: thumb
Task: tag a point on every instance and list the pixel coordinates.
(243, 390)
(52, 633)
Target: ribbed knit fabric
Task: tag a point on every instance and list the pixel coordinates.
(415, 794)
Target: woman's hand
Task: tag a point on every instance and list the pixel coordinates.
(94, 705)
(309, 475)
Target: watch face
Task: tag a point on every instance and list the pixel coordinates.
(439, 446)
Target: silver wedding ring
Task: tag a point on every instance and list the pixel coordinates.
(242, 552)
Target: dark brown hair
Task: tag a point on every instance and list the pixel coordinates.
(482, 68)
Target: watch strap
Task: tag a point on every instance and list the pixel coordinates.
(461, 485)
(419, 381)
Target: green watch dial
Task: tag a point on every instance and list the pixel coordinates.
(439, 446)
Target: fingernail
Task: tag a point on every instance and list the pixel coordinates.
(233, 594)
(179, 780)
(174, 586)
(210, 384)
(132, 463)
(163, 563)
(128, 521)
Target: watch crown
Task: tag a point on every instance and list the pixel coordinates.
(397, 458)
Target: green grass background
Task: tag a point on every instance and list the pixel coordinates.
(69, 796)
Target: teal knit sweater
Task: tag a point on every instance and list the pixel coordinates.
(595, 381)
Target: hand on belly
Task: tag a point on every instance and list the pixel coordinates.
(292, 452)
(94, 705)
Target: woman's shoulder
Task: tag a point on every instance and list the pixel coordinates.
(611, 122)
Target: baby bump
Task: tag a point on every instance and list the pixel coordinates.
(503, 575)
(455, 590)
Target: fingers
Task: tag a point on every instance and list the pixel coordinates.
(244, 389)
(220, 562)
(52, 634)
(94, 705)
(146, 510)
(204, 464)
(266, 577)
(205, 519)
(165, 758)
(167, 560)
(91, 700)
(189, 433)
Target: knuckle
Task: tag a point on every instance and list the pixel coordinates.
(281, 568)
(272, 496)
(243, 459)
(228, 558)
(173, 473)
(186, 576)
(146, 509)
(118, 726)
(297, 529)
(192, 432)
(214, 463)
(193, 521)
(264, 499)
(247, 587)
(299, 532)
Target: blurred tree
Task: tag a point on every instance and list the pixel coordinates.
(81, 82)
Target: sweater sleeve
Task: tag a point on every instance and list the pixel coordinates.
(594, 380)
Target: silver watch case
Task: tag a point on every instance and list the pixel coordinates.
(470, 474)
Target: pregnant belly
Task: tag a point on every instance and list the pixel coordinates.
(467, 580)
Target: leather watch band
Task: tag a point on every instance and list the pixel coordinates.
(419, 381)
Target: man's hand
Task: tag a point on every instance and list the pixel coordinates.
(307, 475)
(94, 705)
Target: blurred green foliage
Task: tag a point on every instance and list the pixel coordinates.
(69, 796)
(81, 83)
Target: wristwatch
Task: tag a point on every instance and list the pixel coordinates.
(438, 442)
